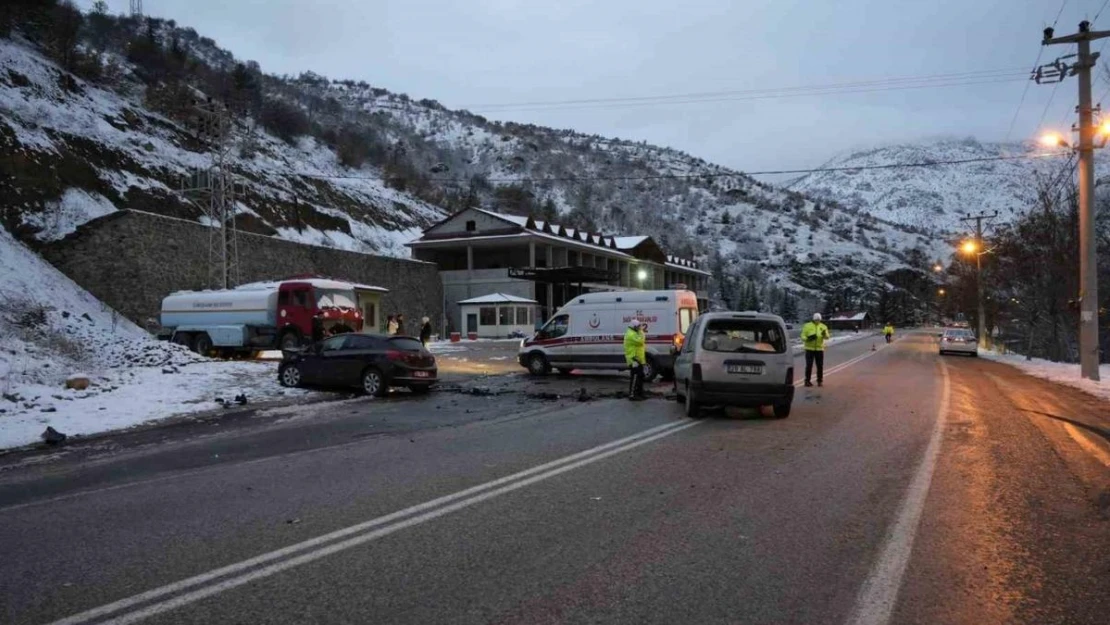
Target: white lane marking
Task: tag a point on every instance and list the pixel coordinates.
(875, 604)
(1086, 443)
(347, 531)
(311, 556)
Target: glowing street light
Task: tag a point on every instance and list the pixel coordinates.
(1054, 140)
(969, 247)
(937, 268)
(642, 275)
(941, 292)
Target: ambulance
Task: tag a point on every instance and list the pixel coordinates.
(588, 332)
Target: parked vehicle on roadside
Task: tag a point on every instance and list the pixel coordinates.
(262, 315)
(588, 332)
(373, 363)
(740, 359)
(958, 341)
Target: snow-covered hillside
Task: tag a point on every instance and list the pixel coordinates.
(86, 151)
(935, 198)
(362, 168)
(52, 330)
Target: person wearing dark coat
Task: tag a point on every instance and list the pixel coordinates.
(426, 331)
(400, 324)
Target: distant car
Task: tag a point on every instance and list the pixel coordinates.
(735, 359)
(958, 341)
(371, 362)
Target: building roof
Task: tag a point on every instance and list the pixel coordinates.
(849, 316)
(617, 246)
(498, 298)
(315, 282)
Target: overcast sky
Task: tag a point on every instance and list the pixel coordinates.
(477, 53)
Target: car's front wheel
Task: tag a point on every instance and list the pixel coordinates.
(290, 376)
(373, 383)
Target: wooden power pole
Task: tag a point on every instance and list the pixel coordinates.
(1088, 260)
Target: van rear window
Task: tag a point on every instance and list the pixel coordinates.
(744, 336)
(686, 317)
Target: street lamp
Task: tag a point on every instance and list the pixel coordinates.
(941, 292)
(642, 275)
(969, 247)
(938, 268)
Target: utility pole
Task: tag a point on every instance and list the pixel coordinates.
(136, 8)
(212, 124)
(1088, 261)
(979, 250)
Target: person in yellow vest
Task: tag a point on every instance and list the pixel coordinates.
(635, 355)
(814, 335)
(888, 332)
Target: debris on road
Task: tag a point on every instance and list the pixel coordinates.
(52, 436)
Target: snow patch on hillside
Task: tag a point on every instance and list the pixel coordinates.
(51, 330)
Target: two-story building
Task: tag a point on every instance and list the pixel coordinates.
(480, 252)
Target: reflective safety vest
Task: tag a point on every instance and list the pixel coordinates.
(814, 335)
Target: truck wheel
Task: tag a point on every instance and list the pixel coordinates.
(290, 340)
(650, 371)
(202, 344)
(182, 338)
(373, 383)
(538, 365)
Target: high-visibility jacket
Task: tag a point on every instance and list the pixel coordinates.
(888, 330)
(814, 335)
(634, 350)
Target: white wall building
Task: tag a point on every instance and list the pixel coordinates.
(481, 252)
(497, 315)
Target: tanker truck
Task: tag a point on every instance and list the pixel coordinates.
(265, 315)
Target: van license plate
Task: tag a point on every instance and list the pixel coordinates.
(746, 369)
(420, 374)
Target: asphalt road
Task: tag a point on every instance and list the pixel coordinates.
(911, 489)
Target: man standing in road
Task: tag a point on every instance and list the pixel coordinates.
(814, 335)
(888, 331)
(635, 355)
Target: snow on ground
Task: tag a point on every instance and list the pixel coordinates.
(127, 396)
(1058, 372)
(51, 330)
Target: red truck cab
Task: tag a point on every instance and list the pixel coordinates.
(307, 312)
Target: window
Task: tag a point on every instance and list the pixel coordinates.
(744, 336)
(487, 316)
(356, 341)
(334, 343)
(505, 315)
(406, 344)
(686, 317)
(283, 298)
(556, 327)
(523, 316)
(471, 226)
(328, 298)
(300, 298)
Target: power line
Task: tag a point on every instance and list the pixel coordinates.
(769, 172)
(1024, 92)
(910, 82)
(1100, 10)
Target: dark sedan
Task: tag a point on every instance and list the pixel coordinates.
(371, 362)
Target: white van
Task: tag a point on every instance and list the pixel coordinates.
(588, 332)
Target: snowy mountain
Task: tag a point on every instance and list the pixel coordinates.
(351, 165)
(935, 198)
